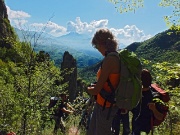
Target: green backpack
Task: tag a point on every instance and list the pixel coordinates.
(128, 93)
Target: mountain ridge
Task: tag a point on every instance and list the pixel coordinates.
(159, 48)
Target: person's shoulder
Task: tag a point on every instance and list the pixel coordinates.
(111, 58)
(113, 54)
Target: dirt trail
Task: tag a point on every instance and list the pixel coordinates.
(73, 131)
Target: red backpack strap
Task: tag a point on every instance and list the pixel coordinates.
(164, 95)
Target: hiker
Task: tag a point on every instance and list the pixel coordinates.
(105, 42)
(63, 108)
(142, 114)
(121, 117)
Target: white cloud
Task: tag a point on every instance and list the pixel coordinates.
(50, 28)
(84, 27)
(16, 14)
(126, 35)
(17, 18)
(19, 22)
(130, 34)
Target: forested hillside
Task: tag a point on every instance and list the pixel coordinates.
(162, 47)
(27, 81)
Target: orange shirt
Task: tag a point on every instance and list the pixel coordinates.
(114, 79)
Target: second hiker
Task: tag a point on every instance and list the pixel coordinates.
(142, 114)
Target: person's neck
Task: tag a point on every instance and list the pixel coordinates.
(109, 51)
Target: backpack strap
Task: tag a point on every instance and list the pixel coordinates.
(109, 96)
(154, 94)
(113, 94)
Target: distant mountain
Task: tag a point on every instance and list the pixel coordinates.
(76, 44)
(75, 36)
(76, 41)
(79, 42)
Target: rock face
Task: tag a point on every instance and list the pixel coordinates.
(69, 71)
(6, 30)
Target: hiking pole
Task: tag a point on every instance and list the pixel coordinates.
(90, 103)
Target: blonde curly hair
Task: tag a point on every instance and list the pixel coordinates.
(106, 38)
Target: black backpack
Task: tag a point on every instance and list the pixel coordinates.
(53, 101)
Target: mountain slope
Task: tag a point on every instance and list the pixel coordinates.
(164, 46)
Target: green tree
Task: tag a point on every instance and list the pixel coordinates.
(27, 80)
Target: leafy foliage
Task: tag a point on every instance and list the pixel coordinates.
(127, 5)
(88, 73)
(27, 81)
(163, 74)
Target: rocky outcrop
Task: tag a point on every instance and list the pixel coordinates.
(3, 9)
(6, 31)
(69, 73)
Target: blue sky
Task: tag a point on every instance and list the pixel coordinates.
(86, 16)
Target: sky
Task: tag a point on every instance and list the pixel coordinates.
(59, 17)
